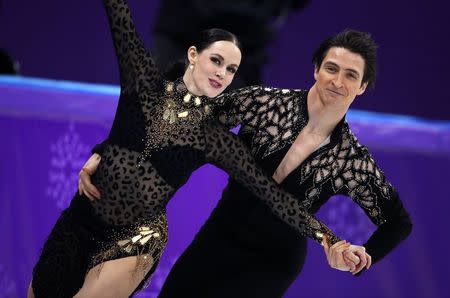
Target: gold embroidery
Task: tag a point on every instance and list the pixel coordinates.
(177, 111)
(145, 240)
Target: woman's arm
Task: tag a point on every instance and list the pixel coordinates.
(257, 106)
(138, 72)
(227, 151)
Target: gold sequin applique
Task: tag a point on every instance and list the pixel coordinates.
(145, 240)
(179, 109)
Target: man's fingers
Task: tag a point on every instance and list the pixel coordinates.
(86, 169)
(86, 193)
(80, 188)
(369, 261)
(336, 254)
(92, 163)
(92, 198)
(339, 250)
(92, 189)
(351, 257)
(362, 256)
(359, 267)
(349, 263)
(85, 181)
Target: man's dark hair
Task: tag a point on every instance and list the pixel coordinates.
(357, 42)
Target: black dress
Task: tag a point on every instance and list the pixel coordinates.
(161, 134)
(243, 250)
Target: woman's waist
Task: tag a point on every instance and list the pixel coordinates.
(103, 227)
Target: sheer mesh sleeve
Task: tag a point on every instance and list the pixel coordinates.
(257, 106)
(369, 188)
(138, 71)
(227, 151)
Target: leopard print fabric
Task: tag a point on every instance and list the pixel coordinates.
(131, 191)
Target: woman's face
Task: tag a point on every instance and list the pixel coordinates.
(213, 69)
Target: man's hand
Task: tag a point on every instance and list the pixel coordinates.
(84, 182)
(360, 252)
(335, 256)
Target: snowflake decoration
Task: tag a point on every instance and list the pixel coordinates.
(7, 285)
(68, 155)
(348, 220)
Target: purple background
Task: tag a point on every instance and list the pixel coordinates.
(46, 144)
(70, 40)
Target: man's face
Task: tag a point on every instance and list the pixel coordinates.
(339, 78)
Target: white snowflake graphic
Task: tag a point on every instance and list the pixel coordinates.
(8, 287)
(68, 154)
(347, 220)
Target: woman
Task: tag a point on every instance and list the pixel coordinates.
(161, 133)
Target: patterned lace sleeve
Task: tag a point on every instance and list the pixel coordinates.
(138, 71)
(227, 151)
(368, 187)
(256, 107)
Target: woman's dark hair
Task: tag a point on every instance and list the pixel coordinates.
(7, 63)
(202, 41)
(357, 42)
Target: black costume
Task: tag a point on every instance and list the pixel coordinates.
(161, 133)
(243, 250)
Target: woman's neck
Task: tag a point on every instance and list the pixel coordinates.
(189, 83)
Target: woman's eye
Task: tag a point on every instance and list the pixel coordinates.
(232, 70)
(215, 60)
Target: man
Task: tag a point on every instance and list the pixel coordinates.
(300, 136)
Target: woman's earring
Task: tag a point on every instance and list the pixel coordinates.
(191, 66)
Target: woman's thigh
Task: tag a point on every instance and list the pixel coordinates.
(114, 278)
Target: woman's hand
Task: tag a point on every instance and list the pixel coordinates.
(360, 252)
(335, 256)
(85, 185)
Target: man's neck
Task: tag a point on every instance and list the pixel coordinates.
(322, 118)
